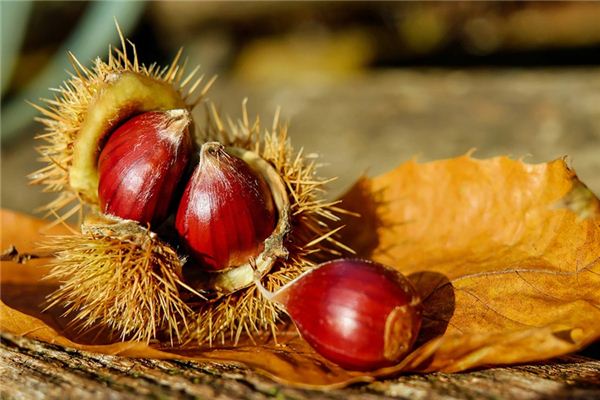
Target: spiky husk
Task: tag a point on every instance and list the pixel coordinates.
(312, 238)
(130, 280)
(63, 116)
(121, 276)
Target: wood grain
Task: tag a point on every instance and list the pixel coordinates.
(35, 370)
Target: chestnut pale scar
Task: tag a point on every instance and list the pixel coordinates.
(398, 333)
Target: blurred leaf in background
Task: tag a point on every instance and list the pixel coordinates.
(36, 37)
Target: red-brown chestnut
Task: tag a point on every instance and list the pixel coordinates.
(359, 314)
(142, 163)
(226, 212)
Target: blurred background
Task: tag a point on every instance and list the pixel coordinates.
(367, 85)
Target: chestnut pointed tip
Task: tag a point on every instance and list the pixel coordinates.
(176, 124)
(212, 149)
(179, 115)
(213, 154)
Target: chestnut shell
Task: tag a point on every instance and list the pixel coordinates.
(141, 165)
(359, 314)
(226, 211)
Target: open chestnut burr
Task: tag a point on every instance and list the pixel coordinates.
(119, 148)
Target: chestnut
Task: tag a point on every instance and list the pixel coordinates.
(226, 212)
(359, 314)
(142, 163)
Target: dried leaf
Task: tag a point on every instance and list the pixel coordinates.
(506, 256)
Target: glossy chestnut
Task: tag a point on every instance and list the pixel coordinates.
(359, 314)
(226, 212)
(142, 163)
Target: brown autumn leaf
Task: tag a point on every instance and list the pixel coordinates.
(506, 256)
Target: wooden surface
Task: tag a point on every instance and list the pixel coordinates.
(34, 370)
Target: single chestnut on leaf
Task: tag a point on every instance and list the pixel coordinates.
(142, 163)
(356, 313)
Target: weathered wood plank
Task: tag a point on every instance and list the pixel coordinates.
(35, 370)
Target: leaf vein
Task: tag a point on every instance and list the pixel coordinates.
(494, 310)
